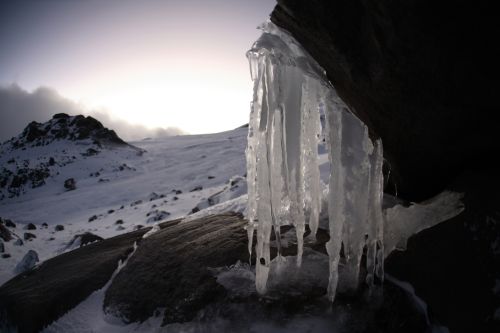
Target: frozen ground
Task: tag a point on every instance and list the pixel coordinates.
(166, 182)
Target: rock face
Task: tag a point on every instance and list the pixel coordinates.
(422, 75)
(65, 127)
(455, 265)
(168, 271)
(35, 298)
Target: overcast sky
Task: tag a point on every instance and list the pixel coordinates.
(143, 64)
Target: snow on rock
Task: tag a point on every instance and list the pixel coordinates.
(291, 92)
(159, 178)
(28, 262)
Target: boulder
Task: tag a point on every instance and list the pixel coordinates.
(70, 184)
(28, 262)
(422, 75)
(5, 233)
(9, 223)
(28, 236)
(30, 226)
(35, 298)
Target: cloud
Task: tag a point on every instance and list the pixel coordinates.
(19, 107)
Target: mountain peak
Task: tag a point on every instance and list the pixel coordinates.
(65, 127)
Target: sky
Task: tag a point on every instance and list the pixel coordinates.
(178, 65)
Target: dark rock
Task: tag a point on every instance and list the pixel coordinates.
(5, 233)
(28, 236)
(9, 223)
(19, 242)
(403, 69)
(168, 271)
(59, 227)
(119, 222)
(34, 299)
(30, 226)
(90, 152)
(86, 238)
(45, 225)
(60, 116)
(70, 184)
(92, 218)
(177, 191)
(175, 198)
(2, 247)
(195, 210)
(5, 256)
(111, 211)
(210, 177)
(197, 188)
(139, 226)
(454, 265)
(157, 215)
(52, 161)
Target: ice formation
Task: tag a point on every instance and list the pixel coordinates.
(282, 161)
(290, 92)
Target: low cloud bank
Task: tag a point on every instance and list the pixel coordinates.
(19, 107)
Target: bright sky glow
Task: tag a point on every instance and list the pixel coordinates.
(155, 63)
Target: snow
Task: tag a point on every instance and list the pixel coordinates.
(159, 180)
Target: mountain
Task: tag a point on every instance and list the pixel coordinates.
(43, 150)
(71, 176)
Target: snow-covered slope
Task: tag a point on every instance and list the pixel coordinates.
(119, 187)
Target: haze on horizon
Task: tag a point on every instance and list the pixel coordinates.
(147, 64)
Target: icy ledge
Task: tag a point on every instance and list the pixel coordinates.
(290, 93)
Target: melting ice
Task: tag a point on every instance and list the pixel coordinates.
(290, 91)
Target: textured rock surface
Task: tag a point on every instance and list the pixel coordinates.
(35, 298)
(421, 74)
(170, 269)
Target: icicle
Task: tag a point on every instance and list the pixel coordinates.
(282, 161)
(375, 263)
(309, 152)
(336, 202)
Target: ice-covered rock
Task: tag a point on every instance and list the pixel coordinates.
(28, 262)
(291, 91)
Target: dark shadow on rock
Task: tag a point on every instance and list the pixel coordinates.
(453, 266)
